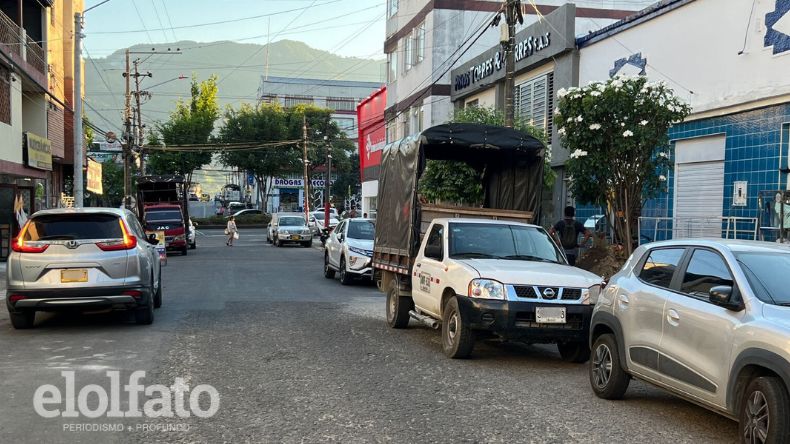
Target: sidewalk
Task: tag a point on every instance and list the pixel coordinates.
(2, 280)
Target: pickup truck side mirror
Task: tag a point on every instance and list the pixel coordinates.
(152, 239)
(433, 252)
(724, 296)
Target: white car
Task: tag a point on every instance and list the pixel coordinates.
(320, 217)
(349, 250)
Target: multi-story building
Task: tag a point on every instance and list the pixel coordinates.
(425, 39)
(341, 96)
(36, 82)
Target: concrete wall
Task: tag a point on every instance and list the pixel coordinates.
(11, 135)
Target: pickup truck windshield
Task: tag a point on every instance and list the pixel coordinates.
(767, 275)
(492, 241)
(291, 221)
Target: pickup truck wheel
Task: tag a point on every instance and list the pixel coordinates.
(21, 320)
(458, 339)
(607, 377)
(576, 352)
(329, 273)
(345, 278)
(763, 411)
(398, 307)
(184, 251)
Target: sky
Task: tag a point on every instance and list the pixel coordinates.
(344, 27)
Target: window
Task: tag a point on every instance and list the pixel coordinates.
(472, 103)
(415, 119)
(405, 120)
(392, 66)
(767, 275)
(408, 53)
(392, 8)
(292, 101)
(74, 227)
(705, 271)
(419, 43)
(5, 96)
(363, 230)
(341, 104)
(343, 123)
(494, 241)
(392, 131)
(534, 101)
(434, 248)
(660, 266)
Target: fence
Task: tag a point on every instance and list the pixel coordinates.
(664, 228)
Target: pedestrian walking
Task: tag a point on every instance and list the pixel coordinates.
(567, 232)
(231, 231)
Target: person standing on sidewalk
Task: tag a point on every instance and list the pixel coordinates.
(567, 231)
(231, 231)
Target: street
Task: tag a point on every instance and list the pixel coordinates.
(295, 357)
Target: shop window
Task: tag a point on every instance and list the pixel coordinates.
(533, 102)
(5, 96)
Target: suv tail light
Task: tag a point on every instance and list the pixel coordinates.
(14, 298)
(20, 246)
(128, 242)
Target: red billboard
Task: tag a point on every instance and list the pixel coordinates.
(372, 134)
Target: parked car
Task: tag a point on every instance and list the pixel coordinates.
(289, 228)
(84, 259)
(234, 207)
(192, 235)
(319, 218)
(708, 320)
(349, 250)
(247, 212)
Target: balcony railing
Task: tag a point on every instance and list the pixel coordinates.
(9, 35)
(14, 40)
(35, 56)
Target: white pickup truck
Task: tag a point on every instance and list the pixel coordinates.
(481, 270)
(478, 277)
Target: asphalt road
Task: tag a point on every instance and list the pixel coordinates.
(297, 358)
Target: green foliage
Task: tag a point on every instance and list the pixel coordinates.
(254, 219)
(617, 134)
(189, 123)
(455, 181)
(112, 184)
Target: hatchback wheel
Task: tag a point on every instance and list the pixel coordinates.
(763, 412)
(22, 319)
(607, 377)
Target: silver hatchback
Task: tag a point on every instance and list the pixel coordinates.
(708, 320)
(83, 259)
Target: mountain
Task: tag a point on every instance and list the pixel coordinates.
(239, 67)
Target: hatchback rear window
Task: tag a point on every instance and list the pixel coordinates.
(73, 227)
(157, 215)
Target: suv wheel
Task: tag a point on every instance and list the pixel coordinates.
(763, 416)
(398, 307)
(607, 377)
(458, 339)
(329, 273)
(158, 294)
(145, 315)
(345, 278)
(576, 352)
(22, 319)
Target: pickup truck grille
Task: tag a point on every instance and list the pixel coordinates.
(548, 293)
(526, 319)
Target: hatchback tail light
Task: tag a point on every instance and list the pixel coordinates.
(128, 242)
(20, 246)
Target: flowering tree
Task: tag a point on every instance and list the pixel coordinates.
(617, 134)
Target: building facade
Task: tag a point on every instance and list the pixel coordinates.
(731, 154)
(370, 115)
(425, 39)
(36, 92)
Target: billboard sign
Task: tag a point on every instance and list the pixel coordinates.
(372, 134)
(94, 177)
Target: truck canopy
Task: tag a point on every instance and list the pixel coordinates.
(511, 162)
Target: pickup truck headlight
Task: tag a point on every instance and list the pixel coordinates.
(486, 289)
(590, 295)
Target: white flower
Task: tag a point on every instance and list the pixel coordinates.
(561, 131)
(622, 123)
(579, 119)
(595, 93)
(644, 123)
(556, 111)
(562, 93)
(627, 133)
(578, 153)
(601, 86)
(662, 178)
(570, 119)
(595, 126)
(662, 154)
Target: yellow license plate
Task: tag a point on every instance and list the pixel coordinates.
(74, 275)
(295, 237)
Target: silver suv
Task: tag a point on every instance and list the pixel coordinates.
(83, 259)
(708, 320)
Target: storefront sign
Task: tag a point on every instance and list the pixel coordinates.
(94, 177)
(38, 152)
(297, 183)
(480, 71)
(529, 46)
(372, 134)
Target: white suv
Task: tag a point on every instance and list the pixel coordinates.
(708, 320)
(349, 250)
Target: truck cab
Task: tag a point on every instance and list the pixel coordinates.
(169, 219)
(501, 278)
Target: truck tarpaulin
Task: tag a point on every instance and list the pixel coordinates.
(510, 161)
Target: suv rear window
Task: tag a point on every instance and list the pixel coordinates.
(157, 215)
(660, 266)
(74, 227)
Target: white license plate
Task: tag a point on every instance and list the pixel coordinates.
(74, 275)
(550, 315)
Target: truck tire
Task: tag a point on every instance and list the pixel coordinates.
(576, 352)
(458, 339)
(184, 251)
(22, 320)
(608, 379)
(329, 273)
(398, 307)
(763, 411)
(345, 278)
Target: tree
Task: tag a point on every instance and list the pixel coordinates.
(617, 134)
(457, 182)
(112, 184)
(190, 123)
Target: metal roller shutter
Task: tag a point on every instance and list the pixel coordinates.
(699, 195)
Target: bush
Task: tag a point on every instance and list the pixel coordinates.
(254, 219)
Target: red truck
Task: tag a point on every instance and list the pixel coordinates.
(162, 206)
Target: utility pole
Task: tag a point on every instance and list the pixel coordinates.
(127, 120)
(137, 94)
(78, 191)
(327, 181)
(512, 15)
(304, 163)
